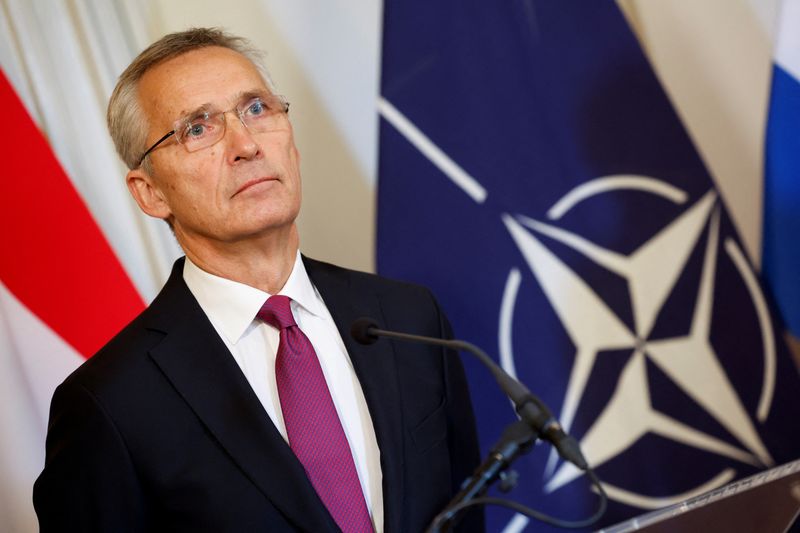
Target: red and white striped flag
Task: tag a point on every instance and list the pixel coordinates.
(63, 294)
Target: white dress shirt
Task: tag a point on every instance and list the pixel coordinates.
(231, 307)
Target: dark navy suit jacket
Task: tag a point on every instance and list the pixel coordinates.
(160, 430)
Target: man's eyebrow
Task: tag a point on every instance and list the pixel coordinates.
(199, 110)
(249, 95)
(238, 98)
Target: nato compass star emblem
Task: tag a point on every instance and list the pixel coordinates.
(651, 273)
(689, 361)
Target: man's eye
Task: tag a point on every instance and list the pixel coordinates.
(195, 130)
(198, 129)
(257, 107)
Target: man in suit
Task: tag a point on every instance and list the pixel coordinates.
(237, 401)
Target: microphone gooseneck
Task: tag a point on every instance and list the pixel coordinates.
(536, 421)
(528, 406)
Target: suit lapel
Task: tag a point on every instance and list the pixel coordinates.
(202, 370)
(375, 368)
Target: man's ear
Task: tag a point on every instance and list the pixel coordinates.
(147, 194)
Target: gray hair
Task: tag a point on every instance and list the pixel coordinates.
(126, 122)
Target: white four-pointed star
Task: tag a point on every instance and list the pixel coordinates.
(651, 272)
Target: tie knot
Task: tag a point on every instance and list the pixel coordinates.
(277, 312)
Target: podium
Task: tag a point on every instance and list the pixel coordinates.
(768, 502)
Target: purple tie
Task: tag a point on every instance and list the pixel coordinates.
(312, 425)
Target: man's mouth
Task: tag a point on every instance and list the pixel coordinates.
(253, 182)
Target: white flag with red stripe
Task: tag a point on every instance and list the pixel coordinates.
(63, 294)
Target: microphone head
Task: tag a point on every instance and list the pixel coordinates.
(360, 330)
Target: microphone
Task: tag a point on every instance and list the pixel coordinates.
(527, 405)
(361, 331)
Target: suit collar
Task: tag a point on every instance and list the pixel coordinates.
(348, 298)
(231, 306)
(202, 370)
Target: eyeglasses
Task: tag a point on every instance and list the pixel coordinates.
(204, 128)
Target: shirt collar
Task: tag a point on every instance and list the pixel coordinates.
(232, 306)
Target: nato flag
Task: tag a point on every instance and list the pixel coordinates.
(534, 174)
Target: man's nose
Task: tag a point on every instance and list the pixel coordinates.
(240, 140)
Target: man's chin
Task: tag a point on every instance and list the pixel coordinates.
(269, 227)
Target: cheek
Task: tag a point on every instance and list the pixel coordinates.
(184, 187)
(293, 156)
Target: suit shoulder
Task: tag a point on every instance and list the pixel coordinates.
(123, 357)
(120, 357)
(380, 284)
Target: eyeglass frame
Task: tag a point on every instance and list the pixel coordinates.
(281, 99)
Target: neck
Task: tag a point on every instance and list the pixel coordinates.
(264, 263)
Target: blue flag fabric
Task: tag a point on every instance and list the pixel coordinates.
(781, 255)
(534, 174)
